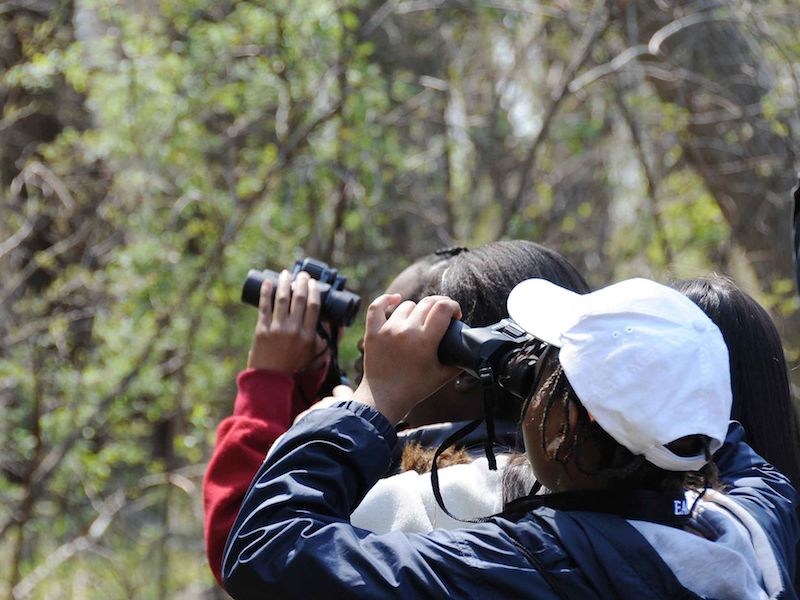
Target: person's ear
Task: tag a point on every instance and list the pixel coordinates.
(465, 382)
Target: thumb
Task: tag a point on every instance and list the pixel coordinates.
(376, 313)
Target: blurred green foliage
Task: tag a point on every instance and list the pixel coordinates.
(152, 154)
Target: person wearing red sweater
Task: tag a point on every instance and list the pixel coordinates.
(285, 368)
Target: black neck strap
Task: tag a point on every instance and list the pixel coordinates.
(640, 505)
(488, 389)
(487, 386)
(335, 376)
(450, 441)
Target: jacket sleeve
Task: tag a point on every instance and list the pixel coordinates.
(764, 492)
(266, 404)
(293, 537)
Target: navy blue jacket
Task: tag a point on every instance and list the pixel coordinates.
(293, 538)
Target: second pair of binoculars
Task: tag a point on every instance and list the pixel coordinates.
(339, 306)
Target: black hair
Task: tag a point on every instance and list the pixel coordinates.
(428, 270)
(481, 280)
(762, 400)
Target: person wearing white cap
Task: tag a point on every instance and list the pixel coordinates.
(631, 397)
(647, 365)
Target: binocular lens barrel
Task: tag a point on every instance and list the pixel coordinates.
(339, 307)
(498, 346)
(251, 291)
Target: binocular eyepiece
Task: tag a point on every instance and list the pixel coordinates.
(513, 355)
(338, 305)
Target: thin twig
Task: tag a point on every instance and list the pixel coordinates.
(16, 239)
(43, 257)
(598, 23)
(678, 25)
(651, 184)
(25, 588)
(23, 113)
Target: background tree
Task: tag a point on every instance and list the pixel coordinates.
(740, 130)
(151, 153)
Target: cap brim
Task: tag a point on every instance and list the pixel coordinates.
(544, 309)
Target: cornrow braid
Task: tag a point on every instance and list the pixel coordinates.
(623, 467)
(558, 390)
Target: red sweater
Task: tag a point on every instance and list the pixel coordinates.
(266, 404)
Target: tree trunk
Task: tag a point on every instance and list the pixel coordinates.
(721, 80)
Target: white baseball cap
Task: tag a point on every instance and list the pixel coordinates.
(644, 360)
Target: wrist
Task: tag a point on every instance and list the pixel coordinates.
(257, 361)
(273, 366)
(288, 363)
(389, 410)
(363, 394)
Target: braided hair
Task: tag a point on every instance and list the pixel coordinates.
(610, 461)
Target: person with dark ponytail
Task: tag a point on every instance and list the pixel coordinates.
(762, 401)
(480, 281)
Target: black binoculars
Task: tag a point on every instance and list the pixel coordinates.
(511, 354)
(338, 305)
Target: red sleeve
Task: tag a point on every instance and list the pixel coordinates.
(266, 404)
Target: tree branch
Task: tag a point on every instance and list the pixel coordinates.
(650, 180)
(599, 21)
(109, 508)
